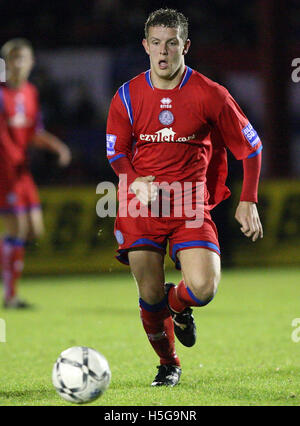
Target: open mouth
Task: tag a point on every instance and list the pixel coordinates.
(163, 64)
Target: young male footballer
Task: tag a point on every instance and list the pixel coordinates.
(20, 125)
(171, 126)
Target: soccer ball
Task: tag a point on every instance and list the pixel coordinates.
(81, 374)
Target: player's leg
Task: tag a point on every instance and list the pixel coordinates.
(201, 274)
(33, 208)
(24, 220)
(35, 224)
(15, 225)
(201, 271)
(147, 268)
(196, 252)
(12, 255)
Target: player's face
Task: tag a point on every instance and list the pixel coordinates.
(166, 50)
(19, 63)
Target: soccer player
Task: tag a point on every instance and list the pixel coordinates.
(172, 124)
(20, 125)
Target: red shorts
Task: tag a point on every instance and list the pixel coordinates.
(19, 194)
(156, 232)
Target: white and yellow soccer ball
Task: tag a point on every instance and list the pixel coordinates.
(81, 374)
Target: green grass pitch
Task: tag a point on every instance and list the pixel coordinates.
(244, 355)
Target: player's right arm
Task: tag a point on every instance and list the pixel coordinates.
(119, 141)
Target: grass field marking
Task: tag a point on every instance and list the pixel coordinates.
(2, 331)
(296, 333)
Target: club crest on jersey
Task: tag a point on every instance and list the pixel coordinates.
(20, 119)
(166, 103)
(166, 117)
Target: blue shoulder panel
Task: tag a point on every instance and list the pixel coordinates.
(186, 78)
(125, 97)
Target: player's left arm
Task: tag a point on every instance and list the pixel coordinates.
(246, 213)
(243, 141)
(45, 140)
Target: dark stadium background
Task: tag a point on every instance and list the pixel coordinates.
(86, 49)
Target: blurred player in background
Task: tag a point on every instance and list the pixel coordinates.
(172, 124)
(20, 125)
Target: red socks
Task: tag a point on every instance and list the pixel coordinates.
(12, 262)
(158, 322)
(180, 297)
(159, 328)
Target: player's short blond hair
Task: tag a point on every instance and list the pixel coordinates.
(15, 43)
(169, 18)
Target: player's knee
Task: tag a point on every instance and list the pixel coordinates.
(22, 233)
(152, 295)
(204, 288)
(147, 269)
(17, 228)
(150, 291)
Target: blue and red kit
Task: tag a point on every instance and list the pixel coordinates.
(20, 118)
(178, 135)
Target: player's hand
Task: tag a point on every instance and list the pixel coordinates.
(64, 156)
(247, 215)
(144, 189)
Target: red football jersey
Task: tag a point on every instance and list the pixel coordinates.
(179, 134)
(20, 118)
